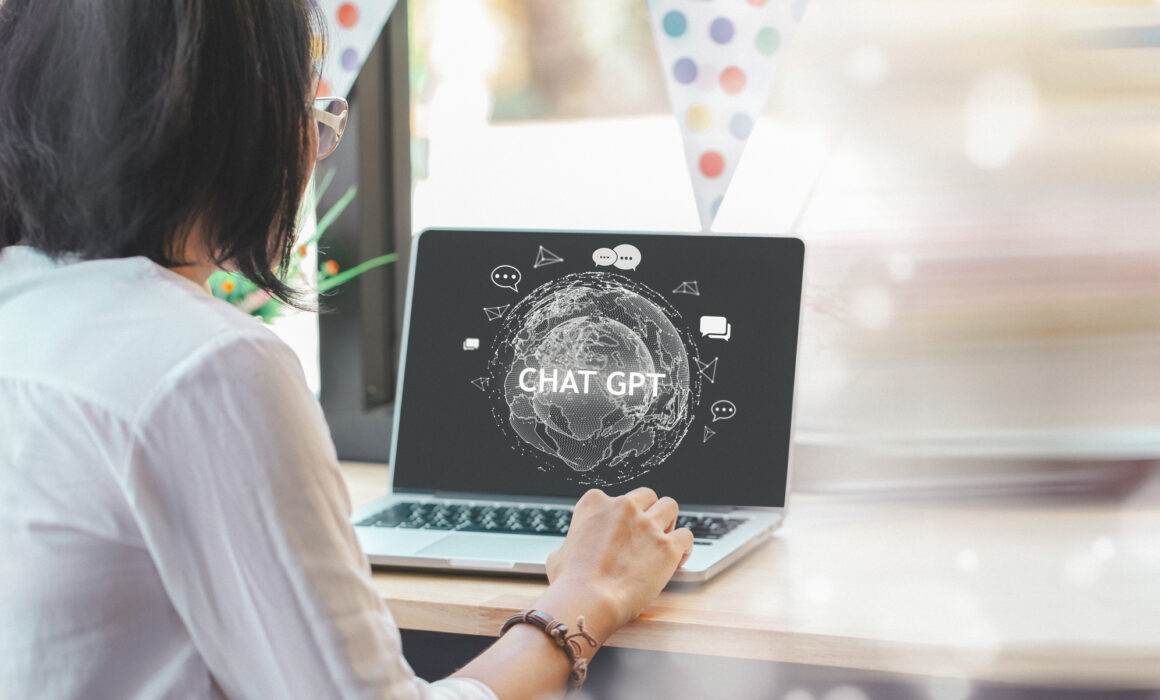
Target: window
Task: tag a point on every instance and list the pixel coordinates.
(976, 183)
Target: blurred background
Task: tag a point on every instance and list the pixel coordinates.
(976, 182)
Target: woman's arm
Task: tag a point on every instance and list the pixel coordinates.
(618, 555)
(236, 487)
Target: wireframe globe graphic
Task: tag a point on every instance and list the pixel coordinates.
(591, 376)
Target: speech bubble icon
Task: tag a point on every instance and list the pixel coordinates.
(627, 256)
(507, 277)
(723, 410)
(714, 325)
(603, 257)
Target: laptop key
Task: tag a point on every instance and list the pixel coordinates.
(513, 519)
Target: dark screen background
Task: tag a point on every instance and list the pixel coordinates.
(448, 440)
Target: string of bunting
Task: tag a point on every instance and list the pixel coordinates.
(720, 59)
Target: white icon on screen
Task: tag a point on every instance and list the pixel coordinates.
(623, 257)
(546, 257)
(723, 410)
(471, 343)
(603, 257)
(708, 370)
(506, 277)
(717, 327)
(627, 256)
(495, 313)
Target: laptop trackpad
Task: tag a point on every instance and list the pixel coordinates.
(516, 548)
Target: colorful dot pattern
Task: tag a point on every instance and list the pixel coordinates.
(712, 164)
(685, 71)
(698, 118)
(720, 60)
(353, 26)
(768, 40)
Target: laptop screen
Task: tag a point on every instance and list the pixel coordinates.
(548, 363)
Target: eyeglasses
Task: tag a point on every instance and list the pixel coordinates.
(330, 119)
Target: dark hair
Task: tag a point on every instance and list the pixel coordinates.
(123, 123)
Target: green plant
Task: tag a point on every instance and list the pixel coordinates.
(245, 295)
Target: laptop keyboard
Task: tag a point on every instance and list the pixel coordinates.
(517, 520)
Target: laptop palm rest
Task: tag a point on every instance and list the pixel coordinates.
(494, 549)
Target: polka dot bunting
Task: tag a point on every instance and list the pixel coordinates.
(740, 125)
(685, 71)
(707, 78)
(732, 80)
(350, 59)
(675, 24)
(768, 40)
(721, 60)
(711, 164)
(353, 26)
(721, 30)
(698, 117)
(347, 15)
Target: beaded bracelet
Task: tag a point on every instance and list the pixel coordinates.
(558, 632)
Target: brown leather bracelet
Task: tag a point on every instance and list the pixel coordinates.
(558, 632)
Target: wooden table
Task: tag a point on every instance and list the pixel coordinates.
(1039, 594)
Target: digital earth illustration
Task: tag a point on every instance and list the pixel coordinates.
(591, 376)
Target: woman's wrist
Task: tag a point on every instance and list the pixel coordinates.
(568, 600)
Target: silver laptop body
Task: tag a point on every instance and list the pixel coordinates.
(437, 516)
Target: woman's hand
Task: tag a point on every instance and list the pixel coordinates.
(619, 553)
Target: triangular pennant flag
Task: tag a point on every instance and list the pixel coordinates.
(719, 60)
(352, 27)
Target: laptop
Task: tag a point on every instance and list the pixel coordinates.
(539, 364)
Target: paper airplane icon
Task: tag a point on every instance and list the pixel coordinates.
(481, 384)
(708, 370)
(690, 287)
(709, 432)
(494, 313)
(546, 257)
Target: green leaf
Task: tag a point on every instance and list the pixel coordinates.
(323, 186)
(333, 213)
(347, 275)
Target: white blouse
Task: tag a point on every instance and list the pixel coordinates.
(173, 522)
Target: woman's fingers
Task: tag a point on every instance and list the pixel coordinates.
(683, 538)
(643, 497)
(664, 513)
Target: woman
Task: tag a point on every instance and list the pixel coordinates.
(174, 522)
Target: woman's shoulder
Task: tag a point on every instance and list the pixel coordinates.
(115, 331)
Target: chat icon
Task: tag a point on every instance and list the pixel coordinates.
(507, 277)
(603, 257)
(627, 256)
(471, 343)
(723, 410)
(716, 327)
